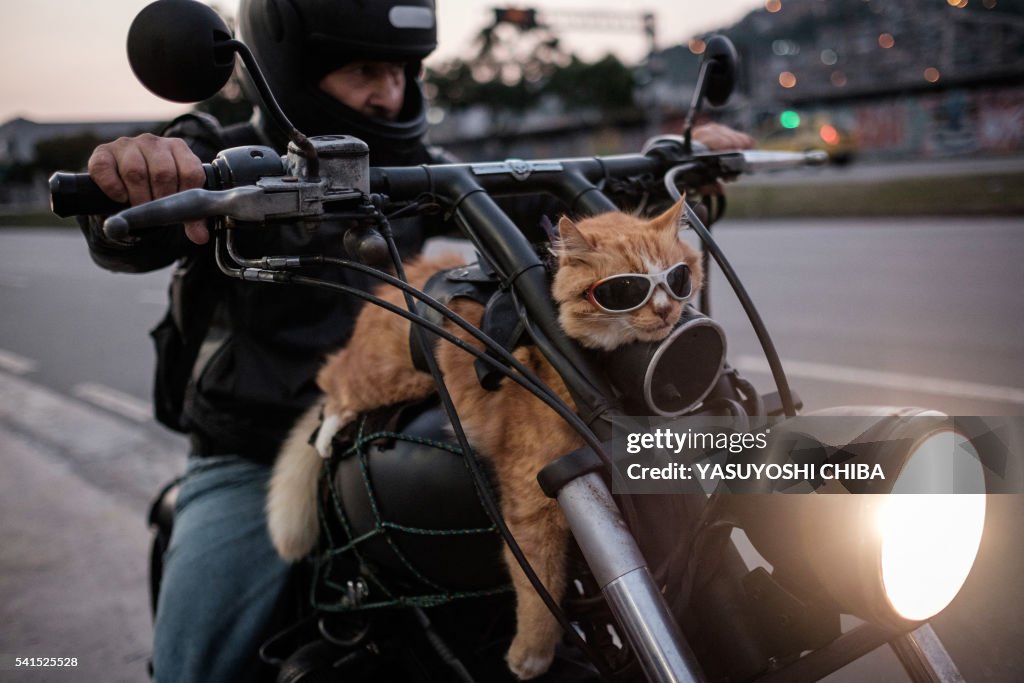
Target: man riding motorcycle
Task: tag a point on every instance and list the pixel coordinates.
(236, 363)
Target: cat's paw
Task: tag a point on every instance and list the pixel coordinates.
(527, 659)
(331, 425)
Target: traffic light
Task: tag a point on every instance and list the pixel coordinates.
(789, 119)
(525, 19)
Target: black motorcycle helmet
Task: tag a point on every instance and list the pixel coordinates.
(298, 42)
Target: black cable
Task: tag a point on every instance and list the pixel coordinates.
(781, 383)
(579, 425)
(441, 647)
(535, 386)
(318, 260)
(430, 326)
(448, 313)
(569, 415)
(529, 381)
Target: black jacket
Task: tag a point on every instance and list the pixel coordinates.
(236, 360)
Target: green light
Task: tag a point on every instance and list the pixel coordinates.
(789, 119)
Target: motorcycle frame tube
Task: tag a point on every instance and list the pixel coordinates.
(521, 268)
(621, 571)
(845, 649)
(925, 658)
(920, 652)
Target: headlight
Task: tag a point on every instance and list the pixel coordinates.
(894, 558)
(929, 541)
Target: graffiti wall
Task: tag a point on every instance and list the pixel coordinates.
(949, 123)
(1001, 120)
(954, 122)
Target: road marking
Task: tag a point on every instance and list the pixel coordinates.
(847, 374)
(113, 400)
(19, 365)
(117, 454)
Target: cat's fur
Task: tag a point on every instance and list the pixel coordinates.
(510, 427)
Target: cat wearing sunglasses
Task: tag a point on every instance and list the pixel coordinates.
(619, 279)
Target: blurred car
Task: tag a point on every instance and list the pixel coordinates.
(815, 133)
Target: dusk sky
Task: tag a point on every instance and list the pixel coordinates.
(64, 61)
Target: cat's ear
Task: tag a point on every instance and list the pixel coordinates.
(673, 219)
(571, 242)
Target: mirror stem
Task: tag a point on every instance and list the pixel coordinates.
(698, 99)
(294, 135)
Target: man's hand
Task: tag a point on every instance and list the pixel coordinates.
(140, 169)
(718, 137)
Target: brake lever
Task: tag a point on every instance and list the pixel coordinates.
(271, 198)
(184, 206)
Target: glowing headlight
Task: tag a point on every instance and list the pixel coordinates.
(929, 541)
(900, 549)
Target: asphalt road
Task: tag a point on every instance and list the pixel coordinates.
(907, 312)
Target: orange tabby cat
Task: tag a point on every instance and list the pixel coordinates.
(511, 428)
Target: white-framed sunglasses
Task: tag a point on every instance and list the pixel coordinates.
(627, 292)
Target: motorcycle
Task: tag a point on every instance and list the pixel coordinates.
(648, 603)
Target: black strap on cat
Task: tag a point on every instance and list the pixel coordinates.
(500, 321)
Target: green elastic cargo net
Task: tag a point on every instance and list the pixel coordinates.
(340, 562)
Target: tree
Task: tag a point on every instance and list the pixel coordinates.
(64, 152)
(606, 85)
(516, 67)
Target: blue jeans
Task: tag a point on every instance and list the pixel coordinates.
(222, 578)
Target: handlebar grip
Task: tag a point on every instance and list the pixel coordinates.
(75, 194)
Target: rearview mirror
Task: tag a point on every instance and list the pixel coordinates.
(721, 57)
(180, 50)
(715, 81)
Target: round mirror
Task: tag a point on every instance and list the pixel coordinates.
(179, 50)
(722, 60)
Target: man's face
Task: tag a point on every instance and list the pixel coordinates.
(375, 89)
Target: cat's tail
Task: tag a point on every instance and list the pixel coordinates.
(293, 492)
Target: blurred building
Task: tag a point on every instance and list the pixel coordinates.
(857, 48)
(30, 151)
(19, 137)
